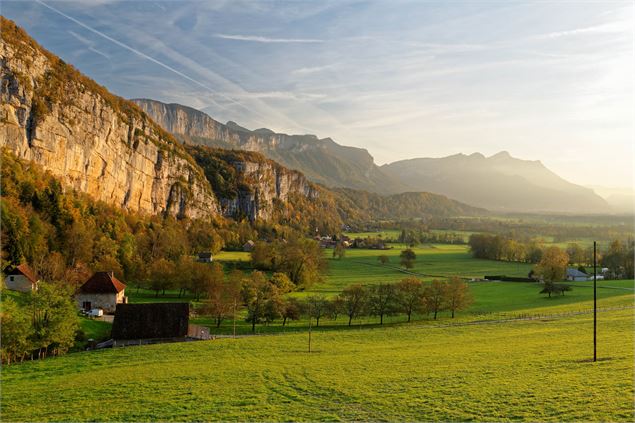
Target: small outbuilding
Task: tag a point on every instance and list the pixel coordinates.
(576, 275)
(157, 321)
(205, 257)
(249, 246)
(21, 278)
(103, 290)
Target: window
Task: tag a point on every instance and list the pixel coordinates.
(11, 278)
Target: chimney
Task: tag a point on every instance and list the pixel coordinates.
(112, 274)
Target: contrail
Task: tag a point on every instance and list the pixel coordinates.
(127, 47)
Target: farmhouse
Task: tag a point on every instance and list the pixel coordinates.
(576, 275)
(156, 321)
(205, 257)
(20, 278)
(103, 290)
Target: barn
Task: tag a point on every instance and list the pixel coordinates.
(103, 290)
(157, 321)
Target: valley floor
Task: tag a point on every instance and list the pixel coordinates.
(535, 370)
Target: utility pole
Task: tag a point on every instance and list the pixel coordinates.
(309, 326)
(234, 318)
(595, 299)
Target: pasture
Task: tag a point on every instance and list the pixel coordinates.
(526, 370)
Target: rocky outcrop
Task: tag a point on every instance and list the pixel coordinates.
(95, 142)
(253, 186)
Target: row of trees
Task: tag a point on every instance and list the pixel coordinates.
(413, 237)
(617, 257)
(410, 296)
(38, 324)
(264, 299)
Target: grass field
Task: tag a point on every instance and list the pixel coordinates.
(527, 370)
(433, 261)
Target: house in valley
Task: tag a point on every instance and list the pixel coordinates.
(205, 257)
(20, 278)
(103, 290)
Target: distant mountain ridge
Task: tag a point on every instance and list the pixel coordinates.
(499, 183)
(321, 160)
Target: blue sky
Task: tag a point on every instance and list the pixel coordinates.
(549, 81)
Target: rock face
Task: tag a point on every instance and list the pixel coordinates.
(93, 141)
(253, 185)
(321, 160)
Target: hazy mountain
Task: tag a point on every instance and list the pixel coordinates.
(621, 200)
(499, 182)
(321, 160)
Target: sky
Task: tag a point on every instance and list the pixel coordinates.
(543, 80)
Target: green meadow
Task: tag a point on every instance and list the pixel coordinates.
(525, 370)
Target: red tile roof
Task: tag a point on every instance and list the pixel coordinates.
(102, 283)
(25, 270)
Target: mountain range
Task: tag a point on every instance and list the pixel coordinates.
(107, 147)
(499, 183)
(321, 160)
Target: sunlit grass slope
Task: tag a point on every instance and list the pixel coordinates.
(536, 371)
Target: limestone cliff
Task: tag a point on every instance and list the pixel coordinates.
(94, 141)
(249, 185)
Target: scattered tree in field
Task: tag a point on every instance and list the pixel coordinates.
(262, 300)
(353, 300)
(383, 259)
(282, 282)
(317, 306)
(409, 296)
(457, 295)
(291, 310)
(220, 294)
(381, 300)
(334, 307)
(407, 258)
(555, 288)
(552, 268)
(339, 251)
(435, 297)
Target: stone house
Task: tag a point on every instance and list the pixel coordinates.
(103, 290)
(21, 278)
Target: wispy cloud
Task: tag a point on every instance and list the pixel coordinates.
(261, 39)
(607, 28)
(312, 69)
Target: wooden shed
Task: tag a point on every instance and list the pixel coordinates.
(151, 321)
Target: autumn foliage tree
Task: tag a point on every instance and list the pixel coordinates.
(457, 295)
